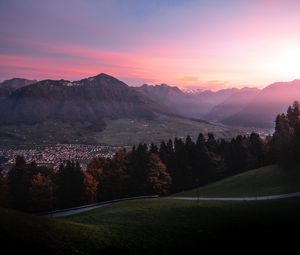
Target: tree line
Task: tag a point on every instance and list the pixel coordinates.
(32, 188)
(172, 166)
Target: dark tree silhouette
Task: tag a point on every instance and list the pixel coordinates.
(20, 177)
(4, 189)
(285, 143)
(70, 187)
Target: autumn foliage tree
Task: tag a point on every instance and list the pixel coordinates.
(90, 188)
(158, 179)
(41, 193)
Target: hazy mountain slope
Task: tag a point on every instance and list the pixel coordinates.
(262, 110)
(214, 97)
(194, 105)
(233, 104)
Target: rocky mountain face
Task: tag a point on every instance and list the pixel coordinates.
(88, 100)
(9, 86)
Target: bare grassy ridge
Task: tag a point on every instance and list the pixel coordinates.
(270, 180)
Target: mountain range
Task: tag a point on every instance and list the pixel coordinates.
(245, 107)
(94, 99)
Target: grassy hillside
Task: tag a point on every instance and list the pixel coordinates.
(161, 226)
(270, 180)
(129, 131)
(117, 132)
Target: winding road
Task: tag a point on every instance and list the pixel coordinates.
(76, 210)
(80, 209)
(272, 197)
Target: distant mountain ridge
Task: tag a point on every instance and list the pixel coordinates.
(247, 107)
(193, 105)
(232, 104)
(270, 101)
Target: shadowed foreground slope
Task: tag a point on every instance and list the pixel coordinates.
(264, 181)
(159, 226)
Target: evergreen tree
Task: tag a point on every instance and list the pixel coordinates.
(115, 179)
(182, 167)
(153, 148)
(211, 143)
(285, 143)
(20, 177)
(293, 114)
(70, 185)
(4, 189)
(256, 151)
(194, 164)
(137, 170)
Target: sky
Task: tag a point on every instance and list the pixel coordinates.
(208, 44)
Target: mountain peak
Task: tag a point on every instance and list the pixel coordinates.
(101, 76)
(102, 79)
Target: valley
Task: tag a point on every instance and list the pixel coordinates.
(104, 110)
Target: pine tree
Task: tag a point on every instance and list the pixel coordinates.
(153, 148)
(70, 185)
(20, 177)
(4, 189)
(256, 151)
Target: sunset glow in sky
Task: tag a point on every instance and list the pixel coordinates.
(197, 43)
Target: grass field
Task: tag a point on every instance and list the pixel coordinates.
(270, 180)
(117, 132)
(129, 131)
(161, 226)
